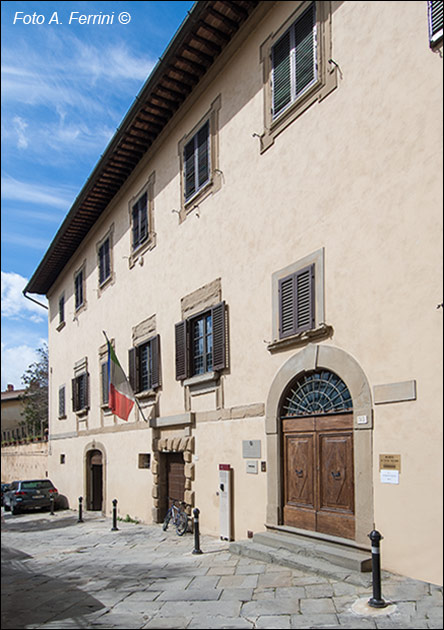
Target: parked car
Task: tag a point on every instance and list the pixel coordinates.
(5, 487)
(29, 495)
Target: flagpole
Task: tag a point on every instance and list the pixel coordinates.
(135, 397)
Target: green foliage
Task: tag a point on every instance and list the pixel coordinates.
(35, 398)
(128, 519)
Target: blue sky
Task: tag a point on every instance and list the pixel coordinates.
(65, 89)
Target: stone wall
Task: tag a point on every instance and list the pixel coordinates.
(24, 461)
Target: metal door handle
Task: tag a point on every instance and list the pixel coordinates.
(299, 472)
(336, 475)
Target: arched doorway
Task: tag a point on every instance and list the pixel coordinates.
(312, 358)
(317, 446)
(94, 480)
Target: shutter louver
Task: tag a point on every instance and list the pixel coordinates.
(75, 396)
(85, 378)
(155, 362)
(286, 306)
(219, 337)
(435, 21)
(304, 310)
(203, 155)
(281, 74)
(104, 383)
(190, 170)
(143, 230)
(181, 351)
(297, 302)
(305, 50)
(133, 369)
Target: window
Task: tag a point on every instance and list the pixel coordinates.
(62, 309)
(144, 460)
(435, 21)
(62, 402)
(294, 64)
(197, 161)
(62, 458)
(104, 261)
(78, 289)
(140, 220)
(296, 302)
(80, 392)
(297, 67)
(105, 383)
(144, 365)
(201, 343)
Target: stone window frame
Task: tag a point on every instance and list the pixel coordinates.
(81, 370)
(321, 328)
(145, 332)
(327, 71)
(214, 182)
(150, 241)
(112, 276)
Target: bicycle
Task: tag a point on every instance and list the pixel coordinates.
(177, 515)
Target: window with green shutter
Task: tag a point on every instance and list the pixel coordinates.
(294, 61)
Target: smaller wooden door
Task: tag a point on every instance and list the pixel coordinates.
(318, 474)
(175, 473)
(95, 481)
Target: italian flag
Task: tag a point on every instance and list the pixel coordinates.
(121, 397)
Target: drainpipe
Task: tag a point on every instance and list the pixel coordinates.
(35, 301)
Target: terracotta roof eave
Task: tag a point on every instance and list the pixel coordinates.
(134, 136)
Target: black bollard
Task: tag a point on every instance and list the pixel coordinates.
(51, 503)
(114, 528)
(80, 519)
(197, 549)
(376, 601)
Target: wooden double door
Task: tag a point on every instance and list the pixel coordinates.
(318, 474)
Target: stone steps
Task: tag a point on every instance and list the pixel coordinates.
(325, 558)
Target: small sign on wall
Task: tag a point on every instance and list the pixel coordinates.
(389, 468)
(252, 467)
(251, 449)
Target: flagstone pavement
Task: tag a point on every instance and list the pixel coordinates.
(58, 573)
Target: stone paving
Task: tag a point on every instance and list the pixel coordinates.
(58, 573)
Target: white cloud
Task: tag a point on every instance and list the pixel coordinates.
(16, 190)
(20, 127)
(15, 362)
(14, 304)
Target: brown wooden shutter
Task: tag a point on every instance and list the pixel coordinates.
(219, 337)
(155, 362)
(86, 382)
(297, 302)
(133, 363)
(304, 307)
(203, 144)
(189, 169)
(181, 351)
(286, 306)
(75, 395)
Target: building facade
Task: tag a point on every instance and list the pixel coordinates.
(261, 242)
(12, 420)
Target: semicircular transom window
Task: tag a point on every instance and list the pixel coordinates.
(316, 393)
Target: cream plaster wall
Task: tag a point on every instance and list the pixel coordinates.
(358, 174)
(24, 461)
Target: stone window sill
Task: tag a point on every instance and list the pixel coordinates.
(323, 331)
(202, 379)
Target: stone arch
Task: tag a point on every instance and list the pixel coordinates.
(313, 357)
(87, 480)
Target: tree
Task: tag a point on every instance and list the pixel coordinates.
(35, 398)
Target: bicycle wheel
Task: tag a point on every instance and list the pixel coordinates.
(181, 523)
(166, 520)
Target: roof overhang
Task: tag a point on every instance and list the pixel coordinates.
(203, 35)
